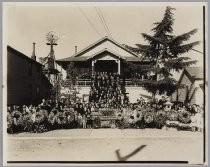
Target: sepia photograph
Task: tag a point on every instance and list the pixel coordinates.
(105, 83)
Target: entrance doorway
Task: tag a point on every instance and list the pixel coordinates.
(106, 66)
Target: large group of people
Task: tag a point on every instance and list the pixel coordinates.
(82, 114)
(107, 90)
(107, 93)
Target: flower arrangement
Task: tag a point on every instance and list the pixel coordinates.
(160, 118)
(27, 122)
(9, 123)
(184, 116)
(172, 115)
(39, 117)
(125, 122)
(131, 119)
(17, 117)
(61, 119)
(51, 118)
(40, 121)
(149, 117)
(140, 115)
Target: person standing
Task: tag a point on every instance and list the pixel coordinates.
(199, 116)
(84, 121)
(194, 122)
(75, 119)
(79, 120)
(89, 120)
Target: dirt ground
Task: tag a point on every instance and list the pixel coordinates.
(101, 145)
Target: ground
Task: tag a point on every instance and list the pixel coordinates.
(101, 145)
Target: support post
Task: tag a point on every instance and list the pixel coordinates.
(119, 66)
(93, 66)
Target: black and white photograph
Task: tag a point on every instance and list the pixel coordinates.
(105, 83)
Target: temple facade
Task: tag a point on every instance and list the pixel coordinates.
(105, 55)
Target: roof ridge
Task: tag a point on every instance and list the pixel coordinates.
(89, 46)
(22, 54)
(103, 50)
(100, 40)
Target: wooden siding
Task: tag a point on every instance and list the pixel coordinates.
(24, 80)
(191, 91)
(182, 93)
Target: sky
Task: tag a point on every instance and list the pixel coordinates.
(26, 23)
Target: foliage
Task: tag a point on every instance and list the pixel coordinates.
(162, 50)
(72, 74)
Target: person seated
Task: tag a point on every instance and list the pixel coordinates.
(43, 104)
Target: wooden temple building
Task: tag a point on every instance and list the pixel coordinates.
(105, 55)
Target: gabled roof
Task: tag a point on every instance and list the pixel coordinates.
(105, 50)
(106, 38)
(78, 56)
(72, 59)
(193, 73)
(17, 53)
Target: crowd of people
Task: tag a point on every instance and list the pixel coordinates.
(107, 94)
(107, 90)
(78, 114)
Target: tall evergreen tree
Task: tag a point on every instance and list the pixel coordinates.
(164, 51)
(72, 74)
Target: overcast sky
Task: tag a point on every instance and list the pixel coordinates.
(27, 23)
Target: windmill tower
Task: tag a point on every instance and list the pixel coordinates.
(50, 67)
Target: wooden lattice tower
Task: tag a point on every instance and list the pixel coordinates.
(50, 67)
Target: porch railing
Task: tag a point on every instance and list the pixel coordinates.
(128, 83)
